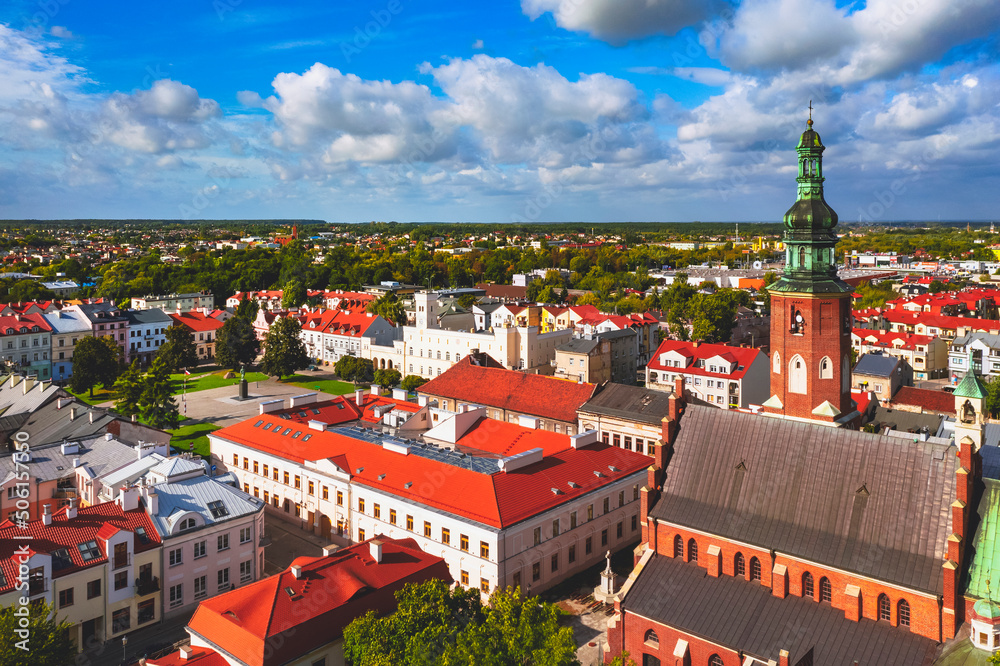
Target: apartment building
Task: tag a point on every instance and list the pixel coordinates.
(147, 333)
(172, 302)
(329, 335)
(926, 355)
(727, 377)
(25, 344)
(68, 328)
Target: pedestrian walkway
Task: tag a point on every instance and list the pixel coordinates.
(141, 642)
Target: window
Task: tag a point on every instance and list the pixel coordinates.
(246, 462)
(361, 505)
(538, 535)
(555, 561)
(588, 545)
(60, 557)
(176, 595)
(590, 512)
(797, 375)
(572, 520)
(445, 535)
(754, 569)
(340, 498)
(607, 504)
(245, 535)
(274, 474)
(223, 542)
(692, 550)
(826, 368)
(620, 529)
(94, 589)
(377, 511)
(266, 474)
(223, 578)
(298, 481)
(218, 509)
(255, 467)
(89, 550)
(484, 550)
(715, 660)
(236, 460)
(739, 565)
(884, 608)
(146, 611)
(903, 613)
(465, 578)
(572, 554)
(536, 571)
(427, 529)
(65, 598)
(635, 522)
(121, 580)
(807, 585)
(267, 497)
(286, 476)
(200, 587)
(176, 557)
(409, 523)
(678, 546)
(246, 571)
(312, 488)
(392, 516)
(651, 639)
(825, 592)
(463, 543)
(484, 584)
(555, 528)
(121, 620)
(604, 537)
(187, 524)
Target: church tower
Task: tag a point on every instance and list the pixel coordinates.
(811, 307)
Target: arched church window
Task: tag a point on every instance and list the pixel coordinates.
(797, 375)
(802, 257)
(776, 362)
(826, 368)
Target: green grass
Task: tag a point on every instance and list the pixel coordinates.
(211, 380)
(331, 386)
(100, 395)
(196, 433)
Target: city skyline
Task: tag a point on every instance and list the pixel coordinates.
(551, 110)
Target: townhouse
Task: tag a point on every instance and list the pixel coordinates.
(147, 333)
(25, 344)
(181, 302)
(329, 335)
(727, 377)
(977, 351)
(203, 327)
(926, 355)
(106, 321)
(68, 328)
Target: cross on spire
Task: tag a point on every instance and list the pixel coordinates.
(810, 113)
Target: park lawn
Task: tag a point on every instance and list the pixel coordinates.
(197, 433)
(331, 386)
(100, 395)
(211, 380)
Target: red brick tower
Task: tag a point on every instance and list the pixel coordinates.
(811, 308)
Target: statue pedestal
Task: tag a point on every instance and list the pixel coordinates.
(605, 592)
(243, 390)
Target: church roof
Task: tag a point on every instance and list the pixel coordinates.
(970, 387)
(874, 505)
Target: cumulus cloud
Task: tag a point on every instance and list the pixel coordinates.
(618, 21)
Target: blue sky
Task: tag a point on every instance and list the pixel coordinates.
(547, 110)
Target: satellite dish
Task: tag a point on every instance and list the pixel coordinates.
(757, 265)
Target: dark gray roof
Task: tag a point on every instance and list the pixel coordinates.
(905, 421)
(629, 402)
(49, 424)
(151, 316)
(876, 365)
(874, 505)
(744, 615)
(621, 333)
(579, 346)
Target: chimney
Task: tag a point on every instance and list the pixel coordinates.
(28, 383)
(296, 571)
(152, 502)
(185, 651)
(91, 414)
(71, 509)
(695, 343)
(76, 463)
(375, 390)
(72, 413)
(134, 418)
(375, 547)
(359, 397)
(128, 498)
(59, 403)
(47, 515)
(783, 658)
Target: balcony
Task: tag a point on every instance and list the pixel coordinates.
(144, 586)
(120, 561)
(64, 493)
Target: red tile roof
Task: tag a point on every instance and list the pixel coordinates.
(92, 523)
(21, 324)
(929, 400)
(280, 618)
(197, 321)
(900, 340)
(350, 323)
(537, 395)
(201, 656)
(344, 409)
(744, 357)
(941, 321)
(498, 499)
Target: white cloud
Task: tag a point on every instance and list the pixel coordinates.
(618, 21)
(477, 45)
(61, 32)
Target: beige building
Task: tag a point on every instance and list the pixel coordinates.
(927, 355)
(586, 359)
(629, 417)
(175, 302)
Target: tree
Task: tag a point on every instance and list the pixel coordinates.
(623, 660)
(94, 362)
(354, 369)
(248, 309)
(157, 402)
(179, 351)
(128, 390)
(294, 295)
(48, 642)
(412, 382)
(284, 349)
(388, 377)
(467, 300)
(389, 307)
(236, 344)
(437, 625)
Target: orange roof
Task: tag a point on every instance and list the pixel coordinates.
(281, 618)
(497, 499)
(538, 395)
(744, 357)
(199, 655)
(197, 321)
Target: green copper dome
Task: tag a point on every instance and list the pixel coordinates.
(810, 138)
(986, 609)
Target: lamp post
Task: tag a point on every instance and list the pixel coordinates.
(124, 643)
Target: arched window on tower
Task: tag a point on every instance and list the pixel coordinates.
(776, 362)
(715, 660)
(826, 368)
(797, 375)
(802, 257)
(651, 639)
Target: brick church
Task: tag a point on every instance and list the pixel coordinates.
(791, 537)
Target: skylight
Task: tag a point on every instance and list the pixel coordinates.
(89, 551)
(287, 430)
(302, 414)
(296, 435)
(287, 417)
(315, 410)
(306, 438)
(218, 509)
(140, 533)
(257, 425)
(61, 559)
(268, 426)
